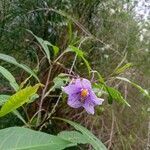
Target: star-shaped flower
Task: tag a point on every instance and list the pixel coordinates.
(80, 94)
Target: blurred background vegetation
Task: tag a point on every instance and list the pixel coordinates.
(113, 35)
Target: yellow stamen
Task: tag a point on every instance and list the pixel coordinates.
(84, 93)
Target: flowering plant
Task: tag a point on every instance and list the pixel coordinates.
(81, 93)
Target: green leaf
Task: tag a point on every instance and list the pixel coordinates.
(92, 139)
(17, 138)
(55, 48)
(73, 136)
(60, 80)
(122, 69)
(144, 91)
(80, 54)
(115, 95)
(87, 64)
(13, 61)
(8, 58)
(18, 99)
(33, 98)
(43, 44)
(3, 99)
(9, 77)
(15, 112)
(23, 83)
(27, 69)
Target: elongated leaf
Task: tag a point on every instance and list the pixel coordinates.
(43, 44)
(123, 68)
(15, 112)
(3, 99)
(92, 139)
(9, 77)
(13, 61)
(73, 136)
(18, 99)
(60, 81)
(144, 91)
(113, 94)
(33, 98)
(55, 48)
(76, 50)
(23, 83)
(17, 138)
(8, 58)
(27, 69)
(86, 63)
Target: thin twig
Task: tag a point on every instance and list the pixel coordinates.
(43, 96)
(148, 140)
(54, 108)
(75, 58)
(59, 56)
(112, 130)
(36, 114)
(51, 113)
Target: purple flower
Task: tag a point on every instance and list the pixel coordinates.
(80, 94)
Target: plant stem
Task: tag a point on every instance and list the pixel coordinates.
(42, 97)
(75, 58)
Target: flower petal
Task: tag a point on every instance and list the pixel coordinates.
(89, 107)
(83, 83)
(73, 101)
(93, 98)
(71, 89)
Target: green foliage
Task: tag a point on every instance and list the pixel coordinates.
(9, 77)
(43, 44)
(113, 94)
(18, 138)
(114, 38)
(33, 98)
(122, 69)
(73, 136)
(60, 81)
(15, 112)
(55, 48)
(23, 138)
(144, 91)
(92, 139)
(3, 99)
(18, 99)
(80, 54)
(13, 61)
